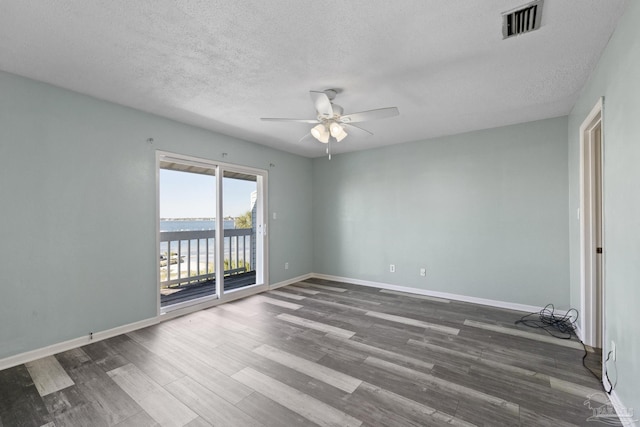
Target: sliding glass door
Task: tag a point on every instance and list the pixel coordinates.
(211, 230)
(241, 207)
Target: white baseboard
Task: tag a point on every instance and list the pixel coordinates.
(579, 332)
(625, 414)
(291, 281)
(50, 350)
(445, 295)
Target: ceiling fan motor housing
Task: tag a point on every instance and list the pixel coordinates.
(337, 112)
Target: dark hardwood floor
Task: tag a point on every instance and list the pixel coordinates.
(314, 353)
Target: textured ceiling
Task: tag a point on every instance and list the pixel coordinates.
(222, 65)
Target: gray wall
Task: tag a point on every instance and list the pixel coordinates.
(485, 212)
(78, 210)
(615, 78)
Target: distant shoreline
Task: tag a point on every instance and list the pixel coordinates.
(195, 219)
(187, 219)
(188, 224)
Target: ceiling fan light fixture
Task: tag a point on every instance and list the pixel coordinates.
(320, 133)
(340, 136)
(335, 129)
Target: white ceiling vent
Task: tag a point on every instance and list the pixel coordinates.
(522, 20)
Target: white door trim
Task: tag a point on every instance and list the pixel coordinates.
(588, 289)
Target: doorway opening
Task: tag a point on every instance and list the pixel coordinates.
(211, 230)
(592, 230)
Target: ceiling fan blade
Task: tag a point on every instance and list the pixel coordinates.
(305, 137)
(358, 128)
(363, 116)
(322, 103)
(289, 120)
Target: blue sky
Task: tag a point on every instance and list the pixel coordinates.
(191, 195)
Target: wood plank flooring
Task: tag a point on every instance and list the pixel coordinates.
(317, 353)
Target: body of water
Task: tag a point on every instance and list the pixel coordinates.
(193, 225)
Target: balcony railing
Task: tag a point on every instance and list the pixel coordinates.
(188, 257)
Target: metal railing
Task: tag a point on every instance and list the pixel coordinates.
(188, 257)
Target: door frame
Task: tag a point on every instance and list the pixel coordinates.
(220, 297)
(588, 263)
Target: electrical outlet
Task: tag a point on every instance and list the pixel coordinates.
(613, 350)
(286, 265)
(423, 272)
(392, 268)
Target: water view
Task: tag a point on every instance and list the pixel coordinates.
(193, 224)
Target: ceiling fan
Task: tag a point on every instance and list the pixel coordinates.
(331, 122)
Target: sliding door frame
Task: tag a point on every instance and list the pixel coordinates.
(261, 230)
(262, 238)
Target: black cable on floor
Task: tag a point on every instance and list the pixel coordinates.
(562, 327)
(558, 326)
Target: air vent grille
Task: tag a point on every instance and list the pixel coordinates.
(522, 20)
